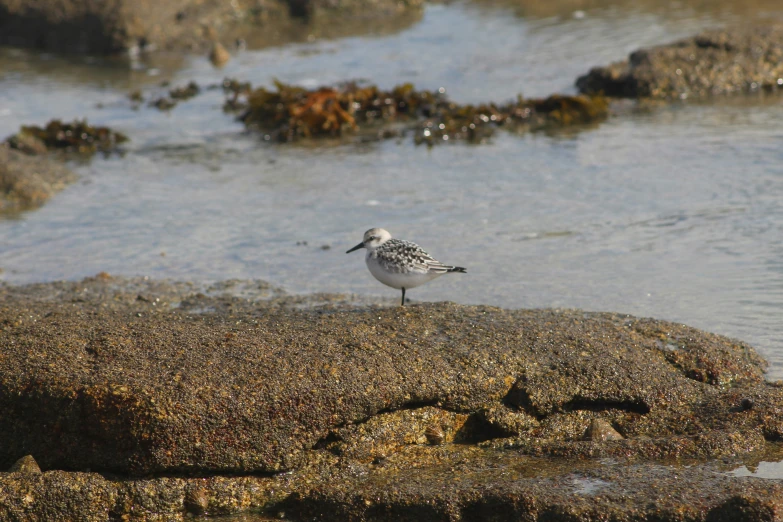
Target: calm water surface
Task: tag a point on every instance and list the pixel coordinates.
(674, 213)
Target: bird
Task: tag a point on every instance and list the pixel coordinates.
(398, 263)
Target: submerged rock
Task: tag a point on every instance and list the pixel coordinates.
(716, 62)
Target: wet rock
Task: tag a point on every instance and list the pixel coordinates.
(163, 495)
(229, 398)
(26, 464)
(140, 386)
(716, 62)
(506, 421)
(27, 182)
(600, 430)
(142, 26)
(706, 445)
(55, 495)
(385, 433)
(506, 487)
(446, 482)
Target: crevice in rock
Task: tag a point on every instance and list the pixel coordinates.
(519, 399)
(703, 375)
(412, 405)
(325, 442)
(478, 429)
(119, 478)
(330, 442)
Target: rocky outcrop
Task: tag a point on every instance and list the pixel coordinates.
(114, 26)
(717, 62)
(193, 402)
(169, 392)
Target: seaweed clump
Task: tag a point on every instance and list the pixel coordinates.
(185, 93)
(77, 137)
(289, 112)
(477, 122)
(176, 95)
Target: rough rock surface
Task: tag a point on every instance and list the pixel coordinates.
(464, 486)
(28, 182)
(716, 62)
(26, 464)
(190, 400)
(167, 392)
(112, 26)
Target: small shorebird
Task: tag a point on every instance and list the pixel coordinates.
(400, 264)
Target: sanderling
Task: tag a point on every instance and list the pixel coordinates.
(400, 264)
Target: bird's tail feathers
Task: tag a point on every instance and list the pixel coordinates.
(458, 269)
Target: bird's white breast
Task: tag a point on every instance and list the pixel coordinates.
(401, 279)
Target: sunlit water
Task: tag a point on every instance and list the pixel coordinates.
(674, 213)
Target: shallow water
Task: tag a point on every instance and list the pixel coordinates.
(673, 212)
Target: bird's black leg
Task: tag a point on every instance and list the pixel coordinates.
(403, 297)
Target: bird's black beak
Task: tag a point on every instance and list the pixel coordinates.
(357, 247)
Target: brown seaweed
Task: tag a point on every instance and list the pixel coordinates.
(289, 112)
(185, 93)
(76, 137)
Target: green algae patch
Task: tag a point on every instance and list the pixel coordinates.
(288, 113)
(77, 137)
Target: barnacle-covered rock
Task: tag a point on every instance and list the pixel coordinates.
(715, 62)
(190, 401)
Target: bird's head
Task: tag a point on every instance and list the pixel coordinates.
(373, 238)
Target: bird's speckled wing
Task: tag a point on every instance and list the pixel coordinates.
(400, 256)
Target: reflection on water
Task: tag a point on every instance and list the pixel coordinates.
(765, 470)
(672, 212)
(767, 466)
